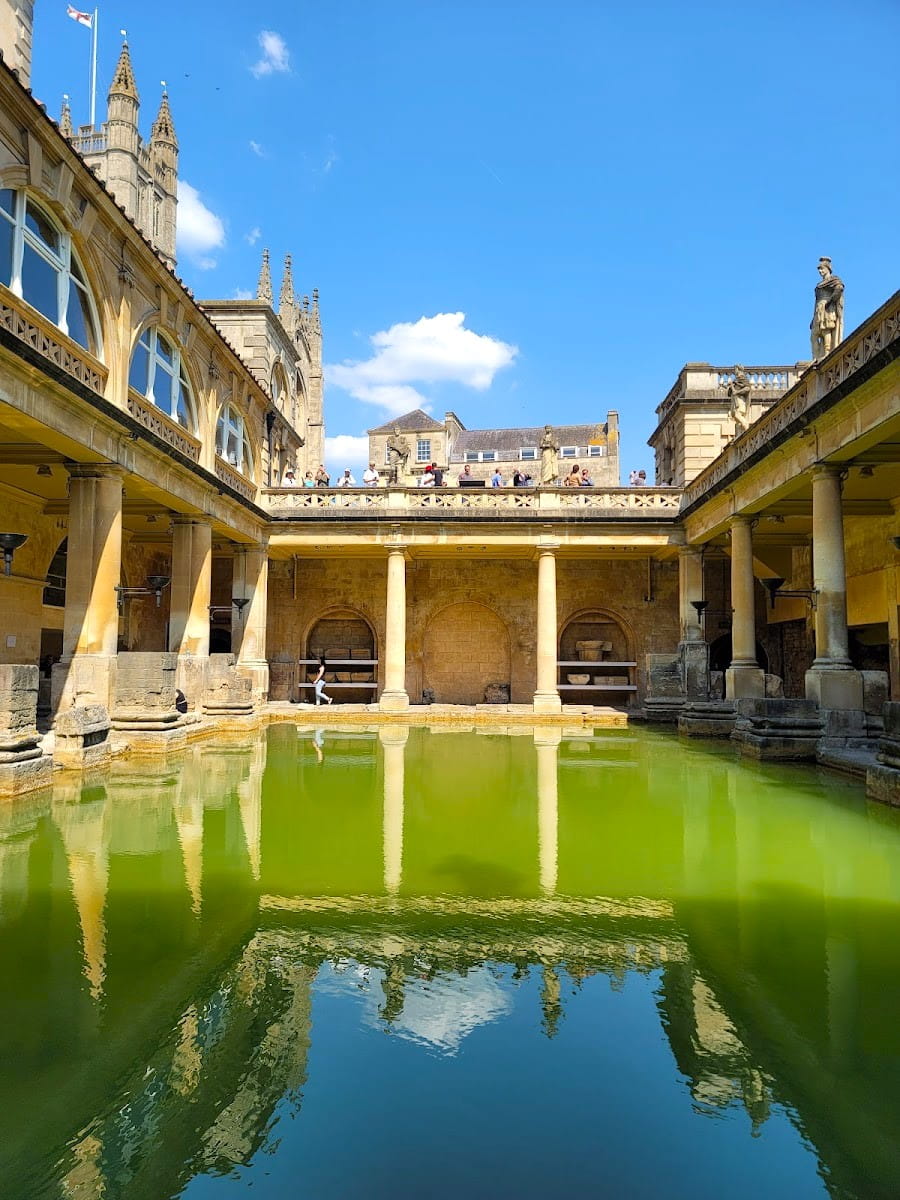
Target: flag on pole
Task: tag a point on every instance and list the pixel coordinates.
(83, 18)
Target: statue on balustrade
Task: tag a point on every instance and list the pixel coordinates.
(827, 325)
(739, 394)
(549, 457)
(398, 455)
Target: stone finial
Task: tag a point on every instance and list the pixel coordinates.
(123, 81)
(315, 308)
(65, 119)
(287, 299)
(163, 129)
(264, 285)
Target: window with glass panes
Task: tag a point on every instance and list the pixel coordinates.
(158, 373)
(423, 450)
(37, 264)
(232, 442)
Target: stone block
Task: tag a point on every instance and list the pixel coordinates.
(694, 660)
(190, 679)
(883, 784)
(832, 688)
(228, 692)
(876, 693)
(82, 736)
(889, 746)
(17, 778)
(18, 700)
(496, 693)
(663, 710)
(778, 729)
(146, 692)
(664, 675)
(708, 719)
(774, 687)
(745, 683)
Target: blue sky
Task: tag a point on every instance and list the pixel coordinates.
(606, 191)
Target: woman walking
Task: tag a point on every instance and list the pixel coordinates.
(319, 684)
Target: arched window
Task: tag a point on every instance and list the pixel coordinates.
(232, 442)
(157, 372)
(37, 262)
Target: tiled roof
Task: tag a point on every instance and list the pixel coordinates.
(508, 442)
(412, 422)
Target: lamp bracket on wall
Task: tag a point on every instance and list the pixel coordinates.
(155, 586)
(775, 590)
(238, 602)
(9, 544)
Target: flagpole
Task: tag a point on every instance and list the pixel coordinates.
(94, 66)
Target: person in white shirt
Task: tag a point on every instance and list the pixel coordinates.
(371, 478)
(426, 479)
(287, 479)
(346, 480)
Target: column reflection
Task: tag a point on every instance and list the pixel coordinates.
(546, 745)
(393, 741)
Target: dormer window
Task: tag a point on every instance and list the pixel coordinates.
(38, 264)
(157, 372)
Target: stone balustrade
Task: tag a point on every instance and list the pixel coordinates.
(36, 331)
(472, 503)
(164, 427)
(236, 481)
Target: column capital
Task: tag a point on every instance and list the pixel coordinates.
(822, 470)
(740, 520)
(183, 519)
(95, 471)
(691, 551)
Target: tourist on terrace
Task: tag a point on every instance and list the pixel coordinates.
(287, 479)
(573, 479)
(466, 473)
(497, 478)
(426, 479)
(586, 480)
(438, 475)
(371, 478)
(323, 479)
(346, 480)
(309, 480)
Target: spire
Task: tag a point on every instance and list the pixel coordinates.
(317, 323)
(123, 83)
(264, 286)
(65, 119)
(163, 129)
(286, 300)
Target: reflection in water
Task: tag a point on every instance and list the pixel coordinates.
(546, 926)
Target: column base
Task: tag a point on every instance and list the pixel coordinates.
(393, 702)
(693, 658)
(834, 687)
(257, 671)
(547, 702)
(742, 683)
(191, 678)
(81, 680)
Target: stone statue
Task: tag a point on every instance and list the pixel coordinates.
(549, 457)
(739, 393)
(398, 455)
(827, 326)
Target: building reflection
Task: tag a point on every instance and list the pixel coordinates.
(167, 929)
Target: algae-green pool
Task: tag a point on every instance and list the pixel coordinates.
(427, 963)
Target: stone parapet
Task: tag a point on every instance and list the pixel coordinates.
(707, 719)
(778, 729)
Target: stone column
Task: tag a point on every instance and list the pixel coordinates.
(394, 697)
(693, 651)
(393, 748)
(831, 682)
(546, 744)
(85, 673)
(744, 677)
(189, 604)
(546, 696)
(251, 580)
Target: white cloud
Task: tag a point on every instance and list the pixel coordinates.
(242, 294)
(253, 236)
(257, 149)
(345, 450)
(436, 349)
(199, 230)
(275, 55)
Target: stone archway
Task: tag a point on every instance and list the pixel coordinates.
(466, 647)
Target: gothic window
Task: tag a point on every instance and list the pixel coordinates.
(157, 372)
(232, 442)
(38, 264)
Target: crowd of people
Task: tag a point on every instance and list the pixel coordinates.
(434, 476)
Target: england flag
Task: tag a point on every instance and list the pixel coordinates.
(86, 19)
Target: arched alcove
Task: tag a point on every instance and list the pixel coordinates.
(597, 640)
(342, 634)
(466, 648)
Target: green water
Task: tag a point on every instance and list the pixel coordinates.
(443, 964)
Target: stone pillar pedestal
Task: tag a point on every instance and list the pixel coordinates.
(251, 580)
(744, 678)
(23, 765)
(228, 693)
(883, 780)
(81, 737)
(779, 730)
(690, 587)
(394, 697)
(189, 605)
(546, 696)
(86, 672)
(145, 700)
